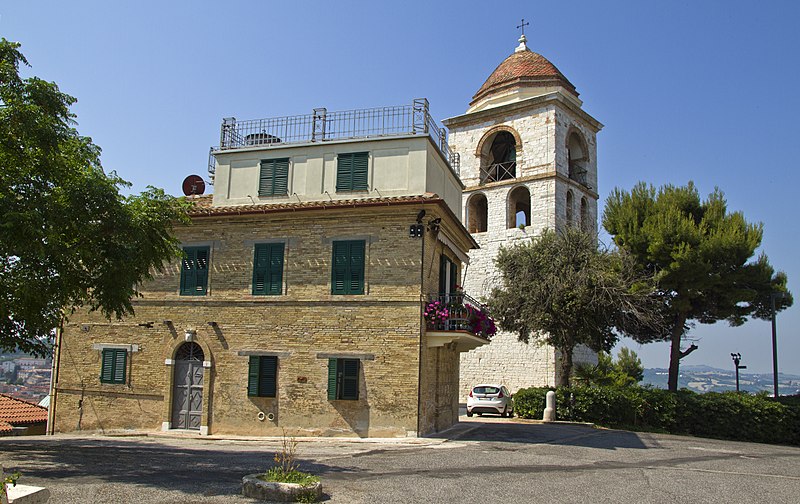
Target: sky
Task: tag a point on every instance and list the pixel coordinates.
(687, 90)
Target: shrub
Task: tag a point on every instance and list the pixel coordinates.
(727, 415)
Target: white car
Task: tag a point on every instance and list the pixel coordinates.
(490, 398)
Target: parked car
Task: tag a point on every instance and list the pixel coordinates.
(490, 398)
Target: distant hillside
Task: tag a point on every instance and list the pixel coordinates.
(708, 379)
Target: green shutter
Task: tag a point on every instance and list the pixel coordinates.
(194, 271)
(267, 379)
(113, 365)
(352, 171)
(120, 366)
(453, 276)
(360, 171)
(350, 379)
(266, 180)
(344, 172)
(340, 267)
(252, 376)
(281, 177)
(268, 269)
(356, 273)
(188, 277)
(107, 366)
(332, 378)
(274, 177)
(347, 270)
(275, 283)
(442, 274)
(260, 267)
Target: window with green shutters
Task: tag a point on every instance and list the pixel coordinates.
(343, 379)
(262, 377)
(113, 364)
(352, 171)
(194, 272)
(274, 178)
(347, 276)
(268, 269)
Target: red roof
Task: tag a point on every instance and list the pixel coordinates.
(203, 207)
(5, 428)
(18, 412)
(523, 69)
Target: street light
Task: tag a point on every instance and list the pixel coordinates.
(737, 357)
(772, 297)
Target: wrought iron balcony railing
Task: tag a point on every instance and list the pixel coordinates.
(458, 311)
(498, 171)
(321, 126)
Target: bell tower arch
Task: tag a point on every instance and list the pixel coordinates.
(529, 163)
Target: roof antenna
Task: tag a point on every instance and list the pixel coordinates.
(522, 39)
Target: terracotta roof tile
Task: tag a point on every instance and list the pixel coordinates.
(203, 207)
(18, 412)
(523, 69)
(5, 428)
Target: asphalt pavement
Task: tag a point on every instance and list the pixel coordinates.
(481, 459)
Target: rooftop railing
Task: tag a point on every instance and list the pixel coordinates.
(322, 126)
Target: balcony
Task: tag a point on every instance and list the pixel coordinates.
(457, 318)
(322, 126)
(498, 171)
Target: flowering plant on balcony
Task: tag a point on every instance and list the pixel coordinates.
(480, 322)
(436, 313)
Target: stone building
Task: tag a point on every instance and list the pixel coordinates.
(528, 162)
(302, 298)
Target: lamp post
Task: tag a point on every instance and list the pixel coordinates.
(737, 357)
(772, 297)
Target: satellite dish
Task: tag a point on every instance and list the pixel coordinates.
(193, 185)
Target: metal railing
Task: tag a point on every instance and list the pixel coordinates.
(498, 171)
(578, 173)
(321, 126)
(452, 313)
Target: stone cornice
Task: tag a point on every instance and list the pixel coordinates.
(520, 106)
(539, 176)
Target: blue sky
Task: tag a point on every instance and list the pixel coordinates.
(687, 90)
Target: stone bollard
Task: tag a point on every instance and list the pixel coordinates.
(550, 409)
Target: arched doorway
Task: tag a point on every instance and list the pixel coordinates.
(187, 383)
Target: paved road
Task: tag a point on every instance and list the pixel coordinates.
(482, 459)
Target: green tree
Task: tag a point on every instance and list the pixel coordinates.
(560, 289)
(698, 253)
(627, 370)
(68, 238)
(629, 366)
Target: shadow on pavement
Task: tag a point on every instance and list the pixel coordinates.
(552, 434)
(196, 471)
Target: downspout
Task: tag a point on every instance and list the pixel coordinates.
(421, 332)
(54, 369)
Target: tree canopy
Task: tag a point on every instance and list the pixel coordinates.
(626, 371)
(698, 253)
(68, 237)
(562, 290)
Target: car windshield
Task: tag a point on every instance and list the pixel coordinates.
(486, 390)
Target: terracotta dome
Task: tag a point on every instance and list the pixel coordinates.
(524, 68)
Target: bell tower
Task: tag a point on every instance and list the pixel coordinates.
(529, 162)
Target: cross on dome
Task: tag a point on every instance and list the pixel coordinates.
(522, 39)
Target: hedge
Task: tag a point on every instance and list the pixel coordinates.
(726, 415)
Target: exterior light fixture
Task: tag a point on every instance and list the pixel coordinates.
(737, 358)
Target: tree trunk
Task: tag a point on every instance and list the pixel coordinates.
(566, 367)
(675, 351)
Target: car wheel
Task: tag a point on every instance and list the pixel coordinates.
(469, 413)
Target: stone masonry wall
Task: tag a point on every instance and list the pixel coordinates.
(542, 167)
(383, 327)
